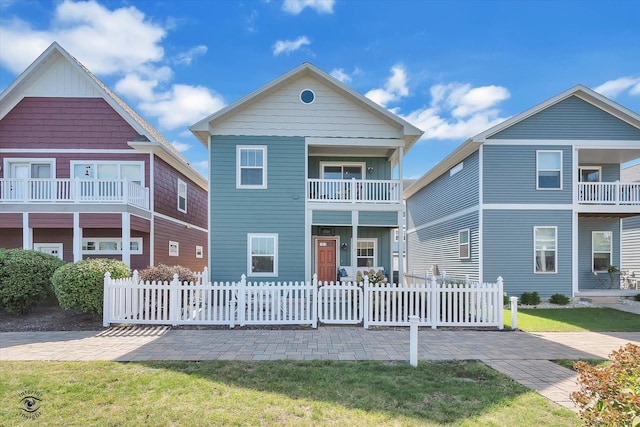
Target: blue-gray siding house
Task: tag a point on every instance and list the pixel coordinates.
(301, 180)
(631, 230)
(536, 199)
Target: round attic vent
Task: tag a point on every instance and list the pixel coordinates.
(307, 96)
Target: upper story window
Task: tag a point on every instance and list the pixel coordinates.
(251, 167)
(174, 248)
(545, 249)
(182, 196)
(109, 170)
(601, 249)
(262, 254)
(463, 244)
(549, 170)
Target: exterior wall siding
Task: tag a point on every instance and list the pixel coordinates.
(509, 251)
(572, 118)
(381, 234)
(187, 238)
(438, 246)
(586, 226)
(510, 175)
(56, 235)
(378, 218)
(445, 195)
(381, 166)
(331, 217)
(50, 220)
(10, 220)
(11, 238)
(631, 245)
(280, 208)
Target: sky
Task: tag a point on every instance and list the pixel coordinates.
(452, 68)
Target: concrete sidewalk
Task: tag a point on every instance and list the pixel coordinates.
(523, 356)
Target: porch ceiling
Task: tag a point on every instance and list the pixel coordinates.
(350, 151)
(596, 157)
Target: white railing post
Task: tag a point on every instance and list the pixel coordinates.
(367, 303)
(315, 302)
(204, 280)
(242, 306)
(500, 304)
(352, 190)
(435, 296)
(125, 191)
(413, 340)
(173, 299)
(514, 312)
(106, 300)
(617, 193)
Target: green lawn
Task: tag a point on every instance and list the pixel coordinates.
(574, 320)
(278, 393)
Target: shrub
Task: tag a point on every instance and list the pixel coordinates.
(80, 286)
(25, 278)
(610, 394)
(162, 272)
(637, 297)
(559, 299)
(530, 298)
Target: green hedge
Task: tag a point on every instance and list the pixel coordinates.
(25, 278)
(80, 286)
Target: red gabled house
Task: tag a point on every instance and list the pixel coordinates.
(84, 176)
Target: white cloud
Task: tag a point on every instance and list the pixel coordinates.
(459, 111)
(288, 46)
(202, 166)
(183, 105)
(613, 88)
(135, 87)
(295, 7)
(339, 74)
(186, 58)
(394, 89)
(180, 146)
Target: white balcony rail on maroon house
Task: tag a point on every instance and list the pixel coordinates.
(609, 193)
(354, 190)
(67, 190)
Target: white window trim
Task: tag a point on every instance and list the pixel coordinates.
(538, 170)
(375, 251)
(457, 168)
(94, 164)
(172, 245)
(182, 184)
(58, 246)
(468, 244)
(555, 261)
(98, 240)
(199, 251)
(610, 252)
(8, 161)
(239, 184)
(275, 255)
(598, 168)
(363, 167)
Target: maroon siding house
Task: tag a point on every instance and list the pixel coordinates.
(84, 176)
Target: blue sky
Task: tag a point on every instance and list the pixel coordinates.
(452, 68)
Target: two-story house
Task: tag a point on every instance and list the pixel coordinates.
(83, 175)
(302, 180)
(536, 199)
(631, 229)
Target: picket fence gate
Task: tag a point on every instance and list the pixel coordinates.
(201, 302)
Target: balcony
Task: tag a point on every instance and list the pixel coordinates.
(609, 193)
(354, 191)
(67, 191)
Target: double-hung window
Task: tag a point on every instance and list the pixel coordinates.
(545, 249)
(262, 257)
(601, 249)
(251, 166)
(463, 244)
(182, 196)
(548, 170)
(366, 252)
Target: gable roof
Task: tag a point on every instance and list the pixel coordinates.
(153, 141)
(201, 129)
(472, 144)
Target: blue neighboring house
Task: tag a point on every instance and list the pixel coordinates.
(631, 229)
(536, 199)
(301, 180)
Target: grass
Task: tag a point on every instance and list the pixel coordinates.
(282, 393)
(568, 363)
(574, 320)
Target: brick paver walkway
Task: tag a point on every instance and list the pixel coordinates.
(523, 356)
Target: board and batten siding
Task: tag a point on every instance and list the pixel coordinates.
(572, 118)
(331, 114)
(381, 166)
(510, 175)
(508, 251)
(280, 208)
(437, 245)
(586, 226)
(446, 195)
(630, 245)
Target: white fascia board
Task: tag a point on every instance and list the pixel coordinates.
(360, 142)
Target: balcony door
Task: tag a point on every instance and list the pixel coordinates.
(336, 172)
(33, 190)
(590, 173)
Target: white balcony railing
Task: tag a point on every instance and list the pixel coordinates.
(67, 190)
(609, 193)
(354, 191)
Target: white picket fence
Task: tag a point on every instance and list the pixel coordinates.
(242, 303)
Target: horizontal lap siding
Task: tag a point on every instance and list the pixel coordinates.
(10, 220)
(510, 175)
(572, 118)
(11, 238)
(278, 209)
(378, 218)
(631, 244)
(187, 238)
(445, 195)
(438, 245)
(586, 226)
(331, 217)
(50, 220)
(508, 251)
(107, 220)
(56, 235)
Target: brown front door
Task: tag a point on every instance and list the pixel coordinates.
(326, 250)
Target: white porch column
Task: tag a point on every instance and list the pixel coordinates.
(27, 232)
(126, 238)
(575, 250)
(401, 244)
(354, 241)
(77, 238)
